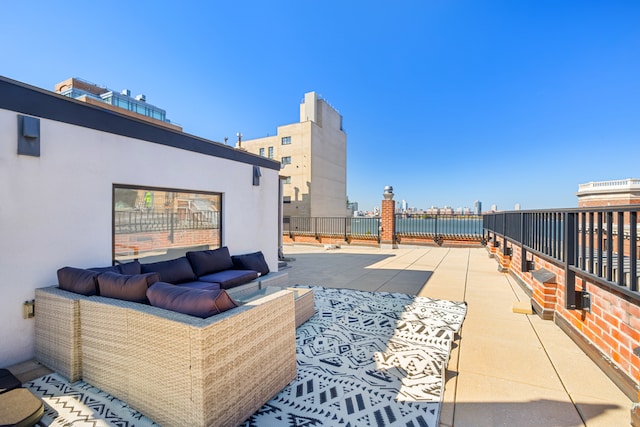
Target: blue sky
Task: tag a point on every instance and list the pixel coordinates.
(447, 101)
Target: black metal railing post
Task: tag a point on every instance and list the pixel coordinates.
(569, 260)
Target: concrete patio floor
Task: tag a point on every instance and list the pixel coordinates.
(507, 369)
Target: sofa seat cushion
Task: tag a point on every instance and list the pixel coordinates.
(254, 261)
(126, 287)
(173, 271)
(230, 278)
(78, 280)
(212, 261)
(210, 286)
(194, 302)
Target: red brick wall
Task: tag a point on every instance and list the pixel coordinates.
(613, 326)
(388, 221)
(139, 243)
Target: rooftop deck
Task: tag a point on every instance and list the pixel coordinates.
(507, 369)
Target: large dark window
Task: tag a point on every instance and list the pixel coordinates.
(156, 224)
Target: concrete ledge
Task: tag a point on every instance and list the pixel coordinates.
(544, 276)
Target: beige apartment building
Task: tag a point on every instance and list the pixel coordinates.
(313, 154)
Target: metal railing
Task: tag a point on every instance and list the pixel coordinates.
(439, 227)
(596, 244)
(361, 227)
(433, 227)
(141, 221)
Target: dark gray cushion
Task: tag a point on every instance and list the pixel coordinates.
(207, 262)
(126, 287)
(127, 268)
(210, 286)
(194, 302)
(173, 271)
(78, 280)
(133, 267)
(254, 261)
(111, 268)
(230, 278)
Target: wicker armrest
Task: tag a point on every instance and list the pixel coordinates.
(182, 370)
(58, 331)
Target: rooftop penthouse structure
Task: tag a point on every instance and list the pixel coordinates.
(609, 193)
(121, 102)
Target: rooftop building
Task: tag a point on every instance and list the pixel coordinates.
(313, 155)
(121, 102)
(609, 193)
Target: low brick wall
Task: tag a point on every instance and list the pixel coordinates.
(608, 334)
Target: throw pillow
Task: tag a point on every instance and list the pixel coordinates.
(173, 271)
(212, 261)
(78, 280)
(194, 302)
(254, 261)
(126, 287)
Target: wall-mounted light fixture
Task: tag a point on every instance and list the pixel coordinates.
(256, 175)
(28, 136)
(583, 301)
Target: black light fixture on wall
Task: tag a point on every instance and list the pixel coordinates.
(28, 135)
(256, 175)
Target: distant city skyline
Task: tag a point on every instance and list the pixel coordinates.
(448, 102)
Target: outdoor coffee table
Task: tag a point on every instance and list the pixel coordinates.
(303, 299)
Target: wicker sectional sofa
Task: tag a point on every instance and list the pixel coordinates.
(175, 368)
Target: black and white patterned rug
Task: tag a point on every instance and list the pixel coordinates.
(368, 359)
(364, 359)
(82, 405)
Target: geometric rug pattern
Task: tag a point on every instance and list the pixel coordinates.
(80, 404)
(368, 359)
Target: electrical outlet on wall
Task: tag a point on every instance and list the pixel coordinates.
(28, 309)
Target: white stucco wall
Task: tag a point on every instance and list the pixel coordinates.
(56, 210)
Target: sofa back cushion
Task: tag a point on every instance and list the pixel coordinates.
(254, 261)
(126, 287)
(211, 261)
(173, 271)
(133, 267)
(194, 302)
(78, 281)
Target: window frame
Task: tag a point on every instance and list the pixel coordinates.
(217, 221)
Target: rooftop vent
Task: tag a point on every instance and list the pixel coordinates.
(141, 98)
(126, 92)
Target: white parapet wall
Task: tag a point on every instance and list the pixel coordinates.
(56, 209)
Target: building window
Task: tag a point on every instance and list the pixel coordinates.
(286, 160)
(286, 199)
(287, 180)
(150, 224)
(286, 140)
(271, 152)
(262, 152)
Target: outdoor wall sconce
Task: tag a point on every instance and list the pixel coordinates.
(28, 136)
(508, 251)
(583, 301)
(531, 265)
(256, 175)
